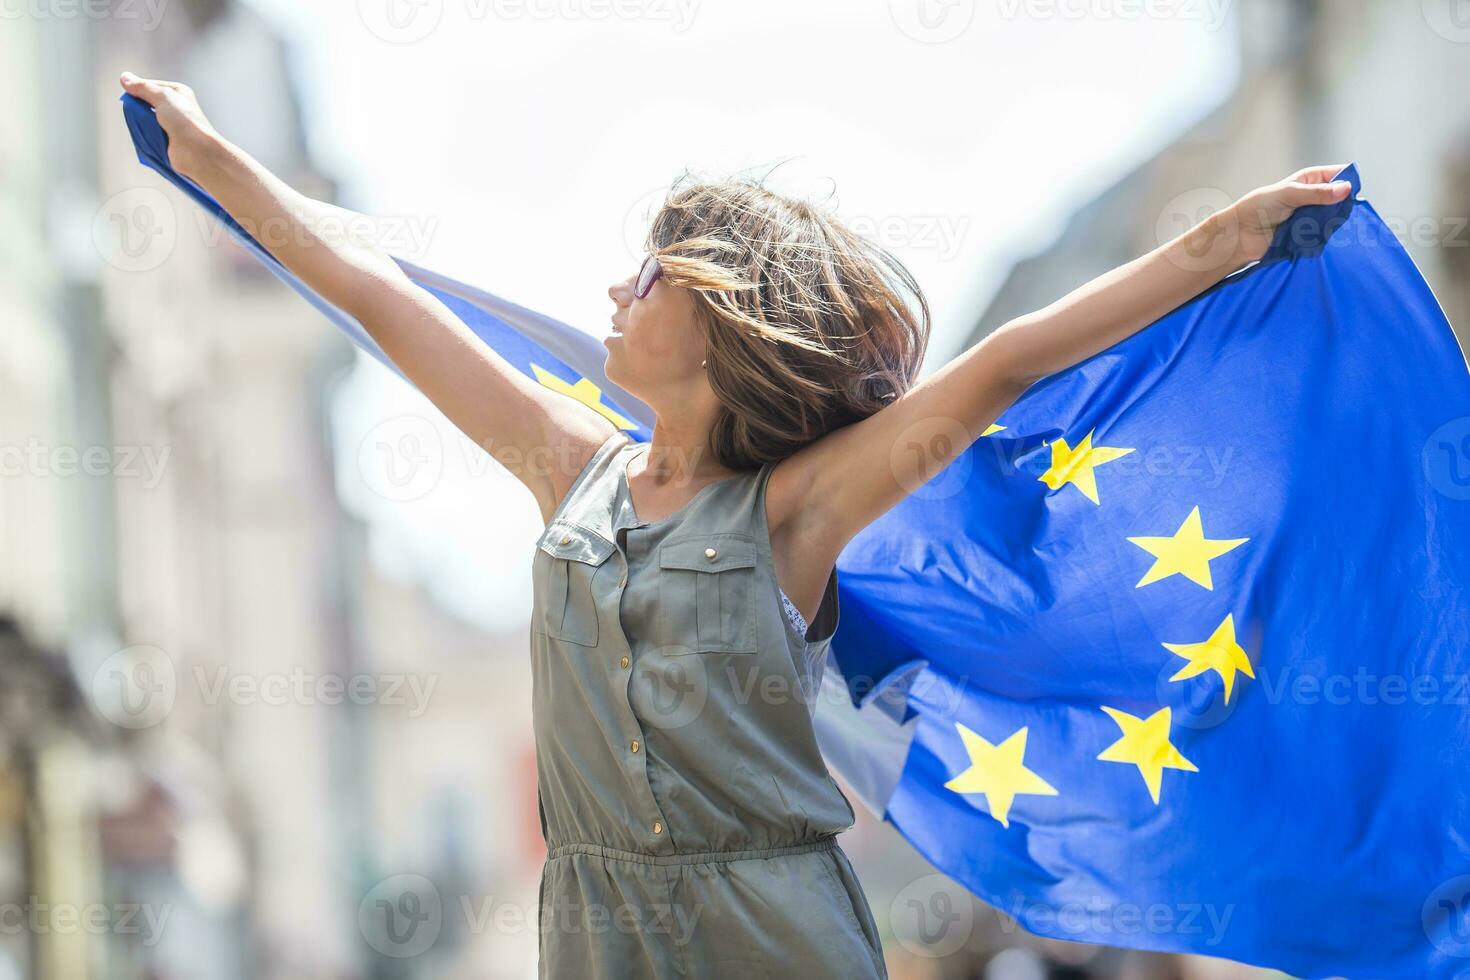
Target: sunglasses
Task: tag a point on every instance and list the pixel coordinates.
(648, 274)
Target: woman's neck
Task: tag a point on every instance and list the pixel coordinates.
(679, 456)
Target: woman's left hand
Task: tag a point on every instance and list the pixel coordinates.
(1256, 216)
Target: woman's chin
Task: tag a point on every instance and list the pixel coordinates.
(610, 365)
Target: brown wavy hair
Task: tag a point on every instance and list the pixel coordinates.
(809, 326)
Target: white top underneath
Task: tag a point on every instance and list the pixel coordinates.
(793, 614)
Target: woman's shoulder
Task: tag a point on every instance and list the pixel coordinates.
(577, 462)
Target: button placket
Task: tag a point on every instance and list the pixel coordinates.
(634, 735)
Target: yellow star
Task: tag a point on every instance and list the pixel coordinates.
(1145, 744)
(585, 392)
(1219, 653)
(992, 429)
(998, 772)
(1188, 552)
(1078, 466)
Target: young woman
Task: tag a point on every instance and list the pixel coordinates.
(688, 814)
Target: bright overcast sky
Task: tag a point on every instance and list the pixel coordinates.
(520, 145)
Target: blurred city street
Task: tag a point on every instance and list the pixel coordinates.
(264, 612)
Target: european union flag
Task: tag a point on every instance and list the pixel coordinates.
(1183, 649)
(1175, 657)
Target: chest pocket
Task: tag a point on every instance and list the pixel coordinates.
(707, 594)
(571, 556)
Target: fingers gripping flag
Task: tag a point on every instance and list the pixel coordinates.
(1175, 656)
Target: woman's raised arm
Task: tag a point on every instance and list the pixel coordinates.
(543, 437)
(833, 488)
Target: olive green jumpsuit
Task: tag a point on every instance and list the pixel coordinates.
(689, 818)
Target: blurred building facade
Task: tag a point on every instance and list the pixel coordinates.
(1365, 81)
(183, 600)
(50, 523)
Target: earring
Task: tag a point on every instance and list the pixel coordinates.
(703, 362)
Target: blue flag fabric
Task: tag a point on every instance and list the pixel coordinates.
(1176, 657)
(1188, 653)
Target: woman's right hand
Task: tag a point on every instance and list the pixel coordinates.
(189, 132)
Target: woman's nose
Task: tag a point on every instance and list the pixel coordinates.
(621, 293)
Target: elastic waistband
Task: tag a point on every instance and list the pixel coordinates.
(692, 857)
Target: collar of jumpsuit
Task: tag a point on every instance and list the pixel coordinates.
(672, 705)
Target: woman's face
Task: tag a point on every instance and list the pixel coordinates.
(656, 345)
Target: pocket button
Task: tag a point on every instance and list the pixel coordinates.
(568, 597)
(707, 594)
